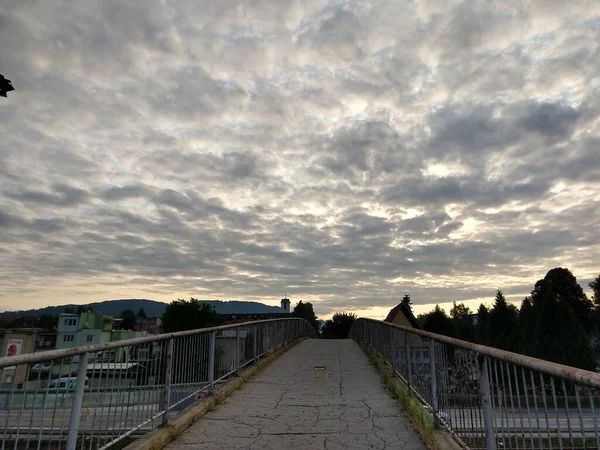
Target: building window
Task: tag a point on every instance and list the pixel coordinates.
(68, 338)
(89, 338)
(70, 322)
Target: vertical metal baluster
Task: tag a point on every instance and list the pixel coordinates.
(444, 377)
(537, 415)
(64, 410)
(47, 390)
(393, 350)
(77, 401)
(109, 391)
(119, 393)
(461, 410)
(60, 370)
(33, 407)
(503, 368)
(167, 388)
(237, 351)
(472, 396)
(211, 361)
(8, 406)
(176, 371)
(543, 386)
(519, 406)
(576, 387)
(564, 388)
(23, 401)
(409, 360)
(115, 396)
(480, 436)
(472, 436)
(99, 402)
(527, 402)
(198, 362)
(268, 341)
(128, 403)
(434, 392)
(20, 413)
(486, 403)
(594, 418)
(255, 343)
(500, 403)
(560, 442)
(152, 394)
(83, 426)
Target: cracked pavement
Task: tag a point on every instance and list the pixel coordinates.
(290, 405)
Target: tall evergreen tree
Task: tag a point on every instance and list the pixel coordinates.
(407, 301)
(527, 326)
(502, 326)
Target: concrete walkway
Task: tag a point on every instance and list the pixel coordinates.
(292, 405)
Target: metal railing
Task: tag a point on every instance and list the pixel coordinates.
(96, 396)
(489, 398)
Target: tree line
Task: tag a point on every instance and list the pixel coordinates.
(557, 322)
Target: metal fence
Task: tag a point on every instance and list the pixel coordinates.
(489, 398)
(99, 396)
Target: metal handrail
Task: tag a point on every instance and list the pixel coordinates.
(489, 398)
(136, 386)
(581, 376)
(31, 358)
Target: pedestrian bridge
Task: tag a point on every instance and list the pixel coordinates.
(313, 394)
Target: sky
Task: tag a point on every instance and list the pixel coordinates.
(342, 152)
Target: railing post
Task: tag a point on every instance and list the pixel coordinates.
(486, 404)
(434, 387)
(408, 359)
(237, 350)
(267, 336)
(211, 361)
(166, 397)
(393, 346)
(77, 402)
(255, 342)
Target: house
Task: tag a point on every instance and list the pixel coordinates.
(148, 326)
(89, 328)
(14, 342)
(402, 315)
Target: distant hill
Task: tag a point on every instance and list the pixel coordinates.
(151, 307)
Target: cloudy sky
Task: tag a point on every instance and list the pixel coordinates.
(344, 152)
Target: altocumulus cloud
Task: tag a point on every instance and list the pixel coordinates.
(343, 152)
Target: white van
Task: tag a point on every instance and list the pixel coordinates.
(68, 383)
